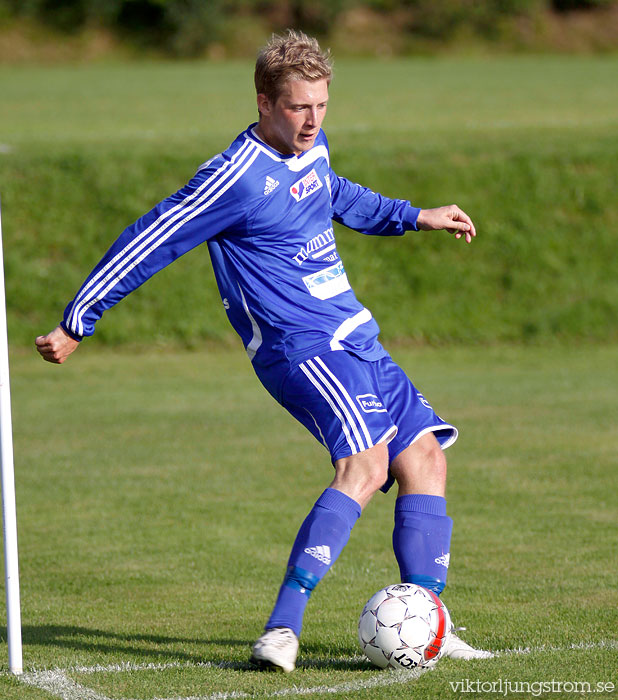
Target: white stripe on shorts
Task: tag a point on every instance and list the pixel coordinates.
(352, 404)
(322, 391)
(340, 401)
(340, 398)
(322, 438)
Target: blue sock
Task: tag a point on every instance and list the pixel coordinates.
(422, 539)
(320, 540)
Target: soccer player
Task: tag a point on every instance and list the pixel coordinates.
(265, 207)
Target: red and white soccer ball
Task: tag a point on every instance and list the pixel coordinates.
(404, 626)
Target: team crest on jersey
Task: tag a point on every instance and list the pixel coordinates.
(306, 186)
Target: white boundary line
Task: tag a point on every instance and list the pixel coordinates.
(58, 683)
(61, 686)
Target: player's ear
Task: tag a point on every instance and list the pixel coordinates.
(263, 104)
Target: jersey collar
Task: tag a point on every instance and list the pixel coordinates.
(294, 162)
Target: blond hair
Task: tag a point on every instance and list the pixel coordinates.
(291, 56)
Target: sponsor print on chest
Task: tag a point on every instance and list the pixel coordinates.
(307, 185)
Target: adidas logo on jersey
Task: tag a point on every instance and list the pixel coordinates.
(444, 560)
(270, 184)
(321, 553)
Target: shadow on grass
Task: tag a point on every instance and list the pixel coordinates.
(136, 647)
(140, 648)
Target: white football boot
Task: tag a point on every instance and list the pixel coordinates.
(455, 648)
(277, 648)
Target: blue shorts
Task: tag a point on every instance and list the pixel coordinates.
(350, 404)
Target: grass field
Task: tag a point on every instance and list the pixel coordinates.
(159, 490)
(158, 495)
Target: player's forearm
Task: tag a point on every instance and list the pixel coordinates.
(119, 272)
(369, 212)
(169, 230)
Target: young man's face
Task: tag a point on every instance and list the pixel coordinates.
(292, 122)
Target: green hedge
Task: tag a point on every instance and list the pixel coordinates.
(189, 27)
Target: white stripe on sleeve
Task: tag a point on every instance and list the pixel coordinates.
(158, 232)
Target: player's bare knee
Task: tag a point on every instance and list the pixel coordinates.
(365, 479)
(375, 478)
(421, 467)
(434, 460)
(361, 475)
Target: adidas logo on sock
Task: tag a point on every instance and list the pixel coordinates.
(444, 560)
(321, 553)
(270, 184)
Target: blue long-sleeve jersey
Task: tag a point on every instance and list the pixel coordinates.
(268, 221)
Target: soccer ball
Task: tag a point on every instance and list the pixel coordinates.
(404, 626)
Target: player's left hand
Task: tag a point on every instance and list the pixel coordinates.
(450, 218)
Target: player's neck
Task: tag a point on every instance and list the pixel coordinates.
(266, 135)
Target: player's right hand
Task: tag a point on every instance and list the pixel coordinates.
(450, 218)
(56, 346)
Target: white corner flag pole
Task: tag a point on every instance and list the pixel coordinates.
(9, 511)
